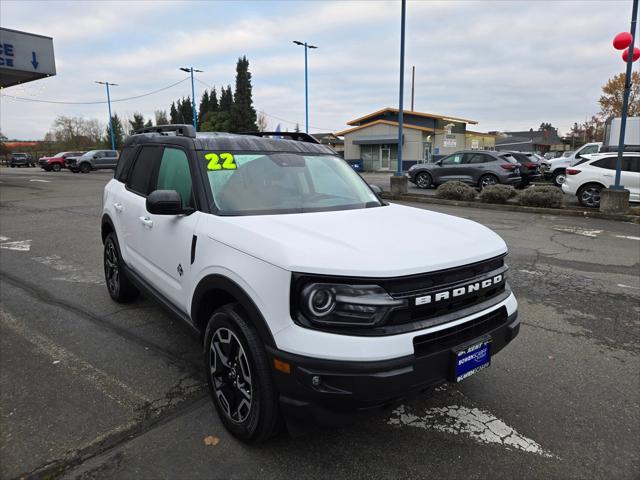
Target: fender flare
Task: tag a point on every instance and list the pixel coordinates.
(199, 314)
(106, 221)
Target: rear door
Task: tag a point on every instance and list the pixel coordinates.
(475, 165)
(110, 159)
(630, 176)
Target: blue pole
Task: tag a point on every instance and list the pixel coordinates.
(401, 100)
(306, 91)
(113, 140)
(193, 99)
(625, 100)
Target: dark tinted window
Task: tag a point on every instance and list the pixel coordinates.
(475, 158)
(124, 162)
(631, 164)
(143, 170)
(609, 163)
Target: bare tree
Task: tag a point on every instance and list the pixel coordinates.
(261, 122)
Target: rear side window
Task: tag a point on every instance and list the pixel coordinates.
(608, 162)
(123, 165)
(631, 164)
(474, 158)
(141, 174)
(174, 174)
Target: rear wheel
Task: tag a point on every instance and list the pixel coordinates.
(589, 195)
(55, 167)
(559, 178)
(119, 286)
(487, 181)
(239, 376)
(423, 180)
(85, 167)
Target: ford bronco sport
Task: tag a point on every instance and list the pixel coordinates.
(313, 298)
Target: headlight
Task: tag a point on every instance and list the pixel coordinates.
(346, 305)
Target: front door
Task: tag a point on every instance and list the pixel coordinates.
(385, 157)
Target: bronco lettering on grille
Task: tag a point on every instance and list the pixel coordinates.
(458, 291)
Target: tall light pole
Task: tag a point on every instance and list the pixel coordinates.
(306, 84)
(113, 139)
(193, 91)
(401, 100)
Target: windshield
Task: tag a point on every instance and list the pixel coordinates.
(274, 183)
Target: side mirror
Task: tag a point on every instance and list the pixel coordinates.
(95, 157)
(439, 163)
(376, 189)
(166, 202)
(578, 156)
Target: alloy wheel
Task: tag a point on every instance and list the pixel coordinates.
(423, 180)
(560, 178)
(590, 197)
(230, 375)
(487, 181)
(111, 268)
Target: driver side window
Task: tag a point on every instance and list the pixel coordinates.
(174, 174)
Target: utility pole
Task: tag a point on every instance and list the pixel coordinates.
(306, 83)
(413, 82)
(401, 99)
(193, 92)
(113, 140)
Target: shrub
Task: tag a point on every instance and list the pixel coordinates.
(497, 194)
(541, 196)
(456, 190)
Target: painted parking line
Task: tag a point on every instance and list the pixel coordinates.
(18, 245)
(39, 180)
(72, 273)
(479, 425)
(578, 231)
(627, 237)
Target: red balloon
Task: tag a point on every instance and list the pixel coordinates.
(622, 40)
(636, 54)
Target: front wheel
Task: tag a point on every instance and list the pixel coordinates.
(423, 180)
(589, 196)
(239, 376)
(55, 167)
(487, 181)
(85, 167)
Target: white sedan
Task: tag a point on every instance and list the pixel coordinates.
(587, 178)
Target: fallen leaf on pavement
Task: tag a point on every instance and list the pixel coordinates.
(211, 440)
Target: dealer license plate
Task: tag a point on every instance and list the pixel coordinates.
(472, 359)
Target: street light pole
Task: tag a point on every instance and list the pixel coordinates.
(306, 83)
(193, 92)
(401, 100)
(113, 140)
(625, 100)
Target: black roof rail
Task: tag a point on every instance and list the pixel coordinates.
(180, 130)
(298, 136)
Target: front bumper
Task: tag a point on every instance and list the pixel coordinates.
(330, 392)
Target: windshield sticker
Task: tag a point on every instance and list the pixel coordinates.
(228, 161)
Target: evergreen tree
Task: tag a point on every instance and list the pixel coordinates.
(243, 115)
(213, 101)
(173, 113)
(118, 132)
(185, 111)
(226, 99)
(148, 123)
(204, 107)
(137, 123)
(161, 117)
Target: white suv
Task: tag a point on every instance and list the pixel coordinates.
(314, 299)
(589, 176)
(555, 168)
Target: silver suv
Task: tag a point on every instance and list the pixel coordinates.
(479, 168)
(94, 160)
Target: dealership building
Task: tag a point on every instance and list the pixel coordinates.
(372, 141)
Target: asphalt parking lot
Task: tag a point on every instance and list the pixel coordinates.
(93, 389)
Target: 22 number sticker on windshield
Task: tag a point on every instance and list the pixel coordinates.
(224, 161)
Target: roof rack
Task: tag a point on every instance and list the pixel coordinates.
(179, 130)
(298, 136)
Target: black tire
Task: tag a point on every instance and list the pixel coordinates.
(55, 167)
(85, 167)
(241, 372)
(13, 166)
(119, 286)
(487, 181)
(559, 177)
(423, 180)
(589, 195)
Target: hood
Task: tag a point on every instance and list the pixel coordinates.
(387, 241)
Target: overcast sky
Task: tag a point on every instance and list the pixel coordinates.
(510, 65)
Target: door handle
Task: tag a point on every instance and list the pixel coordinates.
(607, 175)
(118, 206)
(146, 221)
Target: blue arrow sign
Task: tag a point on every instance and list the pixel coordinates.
(34, 61)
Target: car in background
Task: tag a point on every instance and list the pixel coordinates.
(480, 168)
(529, 166)
(57, 162)
(21, 160)
(94, 160)
(556, 169)
(587, 179)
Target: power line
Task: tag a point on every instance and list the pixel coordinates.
(273, 116)
(60, 102)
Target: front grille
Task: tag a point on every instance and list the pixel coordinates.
(450, 337)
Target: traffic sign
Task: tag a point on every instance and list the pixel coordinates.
(24, 57)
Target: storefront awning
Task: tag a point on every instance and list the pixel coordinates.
(375, 140)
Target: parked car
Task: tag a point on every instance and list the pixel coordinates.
(94, 160)
(529, 166)
(269, 249)
(480, 168)
(21, 160)
(556, 169)
(587, 179)
(57, 162)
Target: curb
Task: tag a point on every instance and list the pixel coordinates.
(512, 208)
